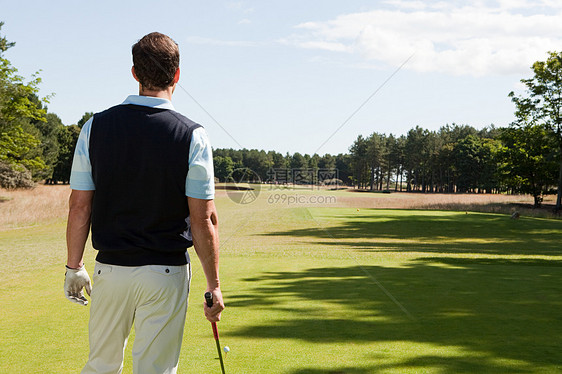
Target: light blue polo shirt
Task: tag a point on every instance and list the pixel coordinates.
(200, 181)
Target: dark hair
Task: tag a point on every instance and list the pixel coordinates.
(156, 57)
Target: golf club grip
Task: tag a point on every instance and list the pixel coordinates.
(209, 299)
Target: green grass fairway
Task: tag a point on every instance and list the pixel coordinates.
(313, 288)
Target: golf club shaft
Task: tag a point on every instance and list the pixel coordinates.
(209, 300)
(216, 333)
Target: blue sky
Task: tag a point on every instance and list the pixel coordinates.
(285, 75)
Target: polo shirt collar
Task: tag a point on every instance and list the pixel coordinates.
(150, 101)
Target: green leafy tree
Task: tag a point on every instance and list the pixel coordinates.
(298, 161)
(391, 158)
(375, 155)
(85, 119)
(47, 133)
(476, 164)
(313, 163)
(327, 162)
(468, 163)
(16, 96)
(415, 161)
(398, 155)
(528, 160)
(15, 145)
(450, 136)
(343, 166)
(489, 170)
(279, 161)
(542, 105)
(299, 168)
(224, 166)
(359, 161)
(18, 106)
(258, 162)
(67, 138)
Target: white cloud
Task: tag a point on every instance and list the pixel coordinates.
(500, 37)
(244, 21)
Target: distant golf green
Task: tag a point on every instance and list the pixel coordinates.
(312, 288)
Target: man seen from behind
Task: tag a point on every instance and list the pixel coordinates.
(142, 180)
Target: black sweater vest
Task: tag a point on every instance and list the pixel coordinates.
(139, 157)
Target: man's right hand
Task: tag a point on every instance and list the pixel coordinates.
(74, 281)
(213, 314)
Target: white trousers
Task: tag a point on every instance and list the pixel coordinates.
(154, 297)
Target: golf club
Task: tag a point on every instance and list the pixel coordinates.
(209, 300)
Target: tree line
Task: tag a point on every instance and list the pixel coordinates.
(525, 157)
(258, 165)
(458, 159)
(453, 159)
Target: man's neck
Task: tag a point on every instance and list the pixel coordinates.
(164, 94)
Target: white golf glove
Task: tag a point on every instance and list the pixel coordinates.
(74, 281)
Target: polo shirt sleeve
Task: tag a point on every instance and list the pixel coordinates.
(81, 172)
(200, 181)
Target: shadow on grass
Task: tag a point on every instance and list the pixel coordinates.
(491, 310)
(346, 370)
(381, 230)
(464, 365)
(528, 210)
(471, 364)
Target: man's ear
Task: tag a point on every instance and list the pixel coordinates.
(176, 76)
(134, 75)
